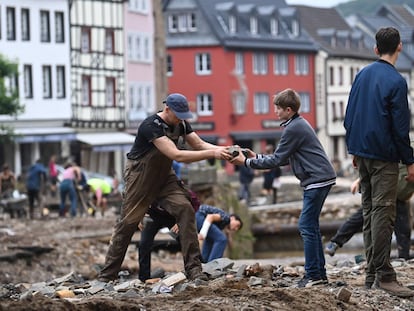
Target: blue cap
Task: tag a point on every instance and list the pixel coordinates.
(179, 105)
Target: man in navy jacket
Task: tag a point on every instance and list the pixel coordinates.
(377, 124)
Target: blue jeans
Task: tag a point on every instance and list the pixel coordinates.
(245, 192)
(215, 242)
(67, 187)
(313, 200)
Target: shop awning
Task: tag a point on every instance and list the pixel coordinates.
(107, 141)
(43, 134)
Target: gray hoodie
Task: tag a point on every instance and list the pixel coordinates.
(300, 147)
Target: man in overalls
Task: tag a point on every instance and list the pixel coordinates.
(149, 177)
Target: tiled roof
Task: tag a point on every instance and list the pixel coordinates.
(217, 14)
(399, 12)
(333, 34)
(388, 16)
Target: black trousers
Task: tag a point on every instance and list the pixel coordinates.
(402, 228)
(151, 228)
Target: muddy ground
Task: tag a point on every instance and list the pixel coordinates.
(44, 249)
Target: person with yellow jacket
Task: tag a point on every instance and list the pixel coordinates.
(100, 188)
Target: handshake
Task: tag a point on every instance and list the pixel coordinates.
(235, 151)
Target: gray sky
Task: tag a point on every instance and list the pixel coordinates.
(317, 3)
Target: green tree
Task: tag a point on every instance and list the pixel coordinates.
(9, 99)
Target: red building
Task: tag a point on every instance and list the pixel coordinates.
(229, 59)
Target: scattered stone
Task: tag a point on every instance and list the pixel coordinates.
(26, 296)
(174, 279)
(152, 281)
(344, 294)
(241, 270)
(255, 281)
(65, 293)
(131, 293)
(161, 288)
(70, 277)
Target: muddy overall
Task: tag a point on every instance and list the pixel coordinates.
(148, 179)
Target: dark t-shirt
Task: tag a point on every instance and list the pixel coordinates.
(152, 128)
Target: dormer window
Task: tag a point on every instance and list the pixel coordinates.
(295, 28)
(182, 23)
(172, 23)
(253, 25)
(333, 41)
(232, 24)
(347, 43)
(274, 27)
(185, 22)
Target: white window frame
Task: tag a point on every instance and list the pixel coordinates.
(331, 75)
(170, 64)
(11, 23)
(239, 103)
(192, 22)
(301, 64)
(261, 103)
(182, 23)
(140, 47)
(28, 81)
(85, 40)
(146, 49)
(253, 25)
(232, 24)
(131, 94)
(59, 27)
(260, 63)
(295, 28)
(203, 63)
(25, 24)
(351, 75)
(280, 64)
(86, 88)
(109, 41)
(47, 81)
(239, 63)
(138, 6)
(44, 26)
(140, 100)
(110, 89)
(274, 27)
(172, 23)
(60, 82)
(130, 47)
(137, 48)
(341, 75)
(305, 104)
(204, 104)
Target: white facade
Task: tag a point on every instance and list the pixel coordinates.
(47, 101)
(334, 77)
(35, 34)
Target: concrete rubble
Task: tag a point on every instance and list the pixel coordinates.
(73, 288)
